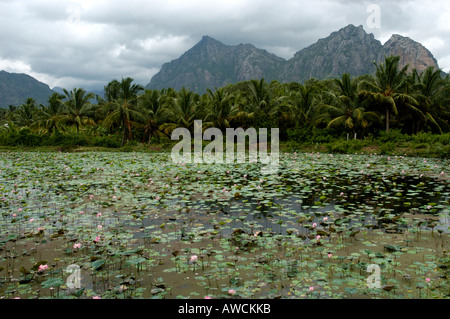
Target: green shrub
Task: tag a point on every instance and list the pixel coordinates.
(444, 138)
(23, 137)
(443, 151)
(343, 146)
(107, 141)
(386, 148)
(393, 135)
(305, 135)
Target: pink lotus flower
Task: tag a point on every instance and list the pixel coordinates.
(99, 226)
(97, 239)
(427, 280)
(194, 259)
(208, 297)
(318, 237)
(99, 214)
(330, 255)
(96, 297)
(311, 288)
(231, 291)
(43, 267)
(77, 245)
(314, 225)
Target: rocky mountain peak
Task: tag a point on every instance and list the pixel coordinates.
(351, 49)
(210, 63)
(411, 53)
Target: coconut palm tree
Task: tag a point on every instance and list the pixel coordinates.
(242, 114)
(78, 109)
(123, 109)
(302, 102)
(51, 117)
(112, 91)
(180, 109)
(259, 96)
(24, 115)
(388, 89)
(430, 91)
(151, 106)
(346, 109)
(282, 102)
(219, 109)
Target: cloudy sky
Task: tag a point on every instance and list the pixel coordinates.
(87, 43)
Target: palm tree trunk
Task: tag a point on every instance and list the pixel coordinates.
(124, 135)
(126, 132)
(387, 120)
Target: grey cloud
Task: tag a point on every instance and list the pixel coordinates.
(88, 43)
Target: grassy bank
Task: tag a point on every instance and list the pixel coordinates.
(415, 146)
(394, 142)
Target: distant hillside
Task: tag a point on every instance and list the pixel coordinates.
(15, 88)
(349, 50)
(411, 52)
(211, 63)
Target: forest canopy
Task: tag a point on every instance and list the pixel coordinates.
(392, 99)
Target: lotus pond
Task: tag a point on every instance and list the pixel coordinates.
(140, 226)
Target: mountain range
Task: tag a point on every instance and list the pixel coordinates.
(210, 64)
(15, 88)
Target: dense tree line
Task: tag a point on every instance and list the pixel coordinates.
(392, 98)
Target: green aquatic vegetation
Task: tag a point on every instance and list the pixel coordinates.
(140, 226)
